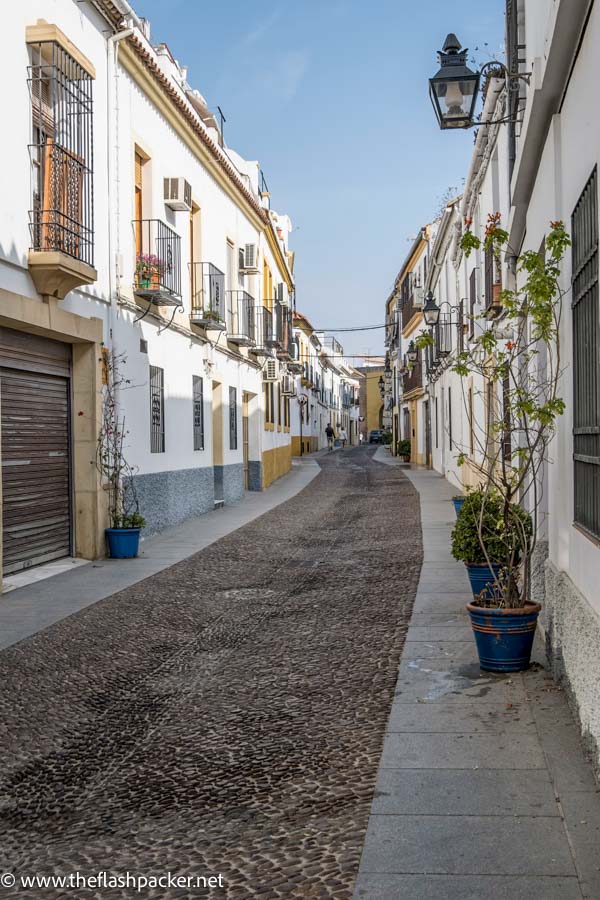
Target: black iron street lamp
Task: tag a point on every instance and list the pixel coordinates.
(431, 311)
(454, 88)
(412, 354)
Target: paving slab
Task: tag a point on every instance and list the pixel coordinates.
(462, 751)
(460, 887)
(438, 650)
(456, 792)
(483, 716)
(467, 845)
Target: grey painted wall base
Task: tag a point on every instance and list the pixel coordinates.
(254, 475)
(168, 498)
(538, 573)
(229, 482)
(572, 641)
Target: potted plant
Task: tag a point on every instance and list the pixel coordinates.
(484, 540)
(458, 501)
(148, 270)
(523, 405)
(403, 450)
(126, 522)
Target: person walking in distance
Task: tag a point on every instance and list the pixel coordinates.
(342, 436)
(361, 438)
(330, 433)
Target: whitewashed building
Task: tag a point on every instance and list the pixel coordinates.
(128, 228)
(535, 161)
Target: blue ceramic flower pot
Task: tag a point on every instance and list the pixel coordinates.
(504, 637)
(482, 578)
(123, 543)
(458, 502)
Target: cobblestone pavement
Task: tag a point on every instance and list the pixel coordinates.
(226, 715)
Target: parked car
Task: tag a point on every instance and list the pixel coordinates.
(376, 436)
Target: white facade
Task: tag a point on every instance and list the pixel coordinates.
(536, 173)
(148, 125)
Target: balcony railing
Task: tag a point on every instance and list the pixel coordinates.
(158, 262)
(208, 296)
(241, 321)
(284, 331)
(412, 303)
(61, 219)
(414, 377)
(264, 330)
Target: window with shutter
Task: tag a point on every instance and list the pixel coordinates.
(586, 359)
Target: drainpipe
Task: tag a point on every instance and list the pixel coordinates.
(112, 50)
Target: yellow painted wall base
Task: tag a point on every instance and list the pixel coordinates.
(275, 463)
(311, 445)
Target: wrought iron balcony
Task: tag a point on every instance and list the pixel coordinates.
(208, 296)
(158, 263)
(414, 376)
(283, 316)
(264, 331)
(62, 214)
(241, 321)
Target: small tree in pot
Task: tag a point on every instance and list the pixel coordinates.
(123, 535)
(514, 444)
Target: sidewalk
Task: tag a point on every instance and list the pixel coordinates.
(483, 792)
(26, 610)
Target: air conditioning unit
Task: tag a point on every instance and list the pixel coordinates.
(288, 386)
(270, 370)
(178, 193)
(251, 259)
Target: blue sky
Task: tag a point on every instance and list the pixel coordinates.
(331, 97)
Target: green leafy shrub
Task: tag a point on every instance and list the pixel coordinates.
(387, 437)
(403, 448)
(134, 520)
(483, 520)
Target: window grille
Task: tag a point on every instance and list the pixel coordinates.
(586, 359)
(472, 302)
(198, 407)
(233, 429)
(157, 410)
(61, 153)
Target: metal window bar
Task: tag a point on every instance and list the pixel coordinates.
(158, 262)
(472, 302)
(157, 410)
(586, 359)
(198, 411)
(208, 294)
(61, 153)
(284, 331)
(241, 324)
(264, 328)
(233, 429)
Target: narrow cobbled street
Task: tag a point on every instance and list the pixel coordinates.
(226, 715)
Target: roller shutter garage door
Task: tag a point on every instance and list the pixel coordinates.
(35, 429)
